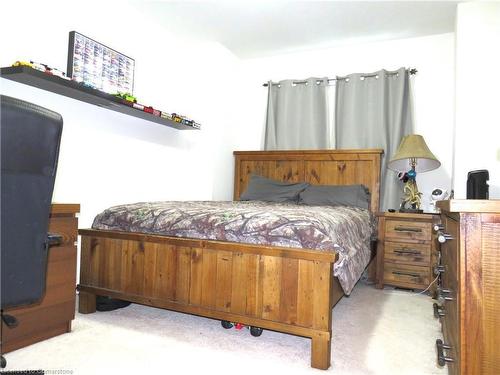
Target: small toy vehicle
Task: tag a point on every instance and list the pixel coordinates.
(196, 125)
(58, 73)
(166, 115)
(126, 96)
(151, 110)
(176, 118)
(85, 84)
(46, 69)
(23, 63)
(138, 106)
(254, 331)
(38, 66)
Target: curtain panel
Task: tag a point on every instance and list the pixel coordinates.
(297, 115)
(374, 111)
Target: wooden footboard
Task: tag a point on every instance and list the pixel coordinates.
(281, 289)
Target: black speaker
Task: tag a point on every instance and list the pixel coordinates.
(477, 186)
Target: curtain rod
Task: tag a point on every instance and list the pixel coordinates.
(412, 72)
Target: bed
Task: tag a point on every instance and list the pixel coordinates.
(286, 289)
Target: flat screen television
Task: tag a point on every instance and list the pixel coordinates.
(99, 66)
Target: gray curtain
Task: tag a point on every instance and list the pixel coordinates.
(374, 111)
(297, 115)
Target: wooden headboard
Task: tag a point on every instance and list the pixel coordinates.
(318, 167)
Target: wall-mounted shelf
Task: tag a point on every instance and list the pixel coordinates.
(57, 85)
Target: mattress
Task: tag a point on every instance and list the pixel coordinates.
(347, 230)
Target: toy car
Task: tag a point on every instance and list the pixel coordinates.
(58, 73)
(43, 68)
(254, 331)
(126, 96)
(176, 118)
(166, 115)
(38, 66)
(22, 63)
(151, 110)
(138, 106)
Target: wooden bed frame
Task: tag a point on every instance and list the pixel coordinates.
(283, 289)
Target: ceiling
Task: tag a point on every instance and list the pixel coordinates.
(263, 28)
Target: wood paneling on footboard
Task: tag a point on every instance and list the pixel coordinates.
(288, 290)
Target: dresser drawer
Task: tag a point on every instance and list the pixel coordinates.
(407, 230)
(451, 333)
(401, 252)
(406, 275)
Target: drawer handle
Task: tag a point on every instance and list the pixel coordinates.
(438, 310)
(399, 273)
(442, 359)
(407, 251)
(439, 270)
(443, 295)
(54, 239)
(443, 291)
(407, 229)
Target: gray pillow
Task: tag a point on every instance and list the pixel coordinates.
(336, 195)
(264, 189)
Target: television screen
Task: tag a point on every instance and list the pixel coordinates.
(98, 66)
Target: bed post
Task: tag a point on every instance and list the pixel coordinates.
(86, 303)
(321, 339)
(321, 351)
(86, 300)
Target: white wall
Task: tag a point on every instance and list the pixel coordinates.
(433, 56)
(477, 144)
(109, 158)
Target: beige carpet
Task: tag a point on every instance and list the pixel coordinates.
(374, 332)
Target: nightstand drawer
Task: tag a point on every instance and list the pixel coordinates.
(406, 275)
(407, 230)
(403, 252)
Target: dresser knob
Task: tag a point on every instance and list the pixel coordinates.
(438, 310)
(443, 237)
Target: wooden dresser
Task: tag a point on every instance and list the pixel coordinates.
(406, 251)
(53, 315)
(469, 290)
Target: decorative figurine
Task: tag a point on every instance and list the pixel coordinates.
(412, 195)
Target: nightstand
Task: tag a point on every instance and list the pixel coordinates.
(53, 315)
(406, 249)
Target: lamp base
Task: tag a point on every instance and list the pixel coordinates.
(411, 210)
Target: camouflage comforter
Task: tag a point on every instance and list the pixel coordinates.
(345, 229)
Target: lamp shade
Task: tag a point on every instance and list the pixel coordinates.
(413, 146)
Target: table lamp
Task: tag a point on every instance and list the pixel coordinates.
(413, 153)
